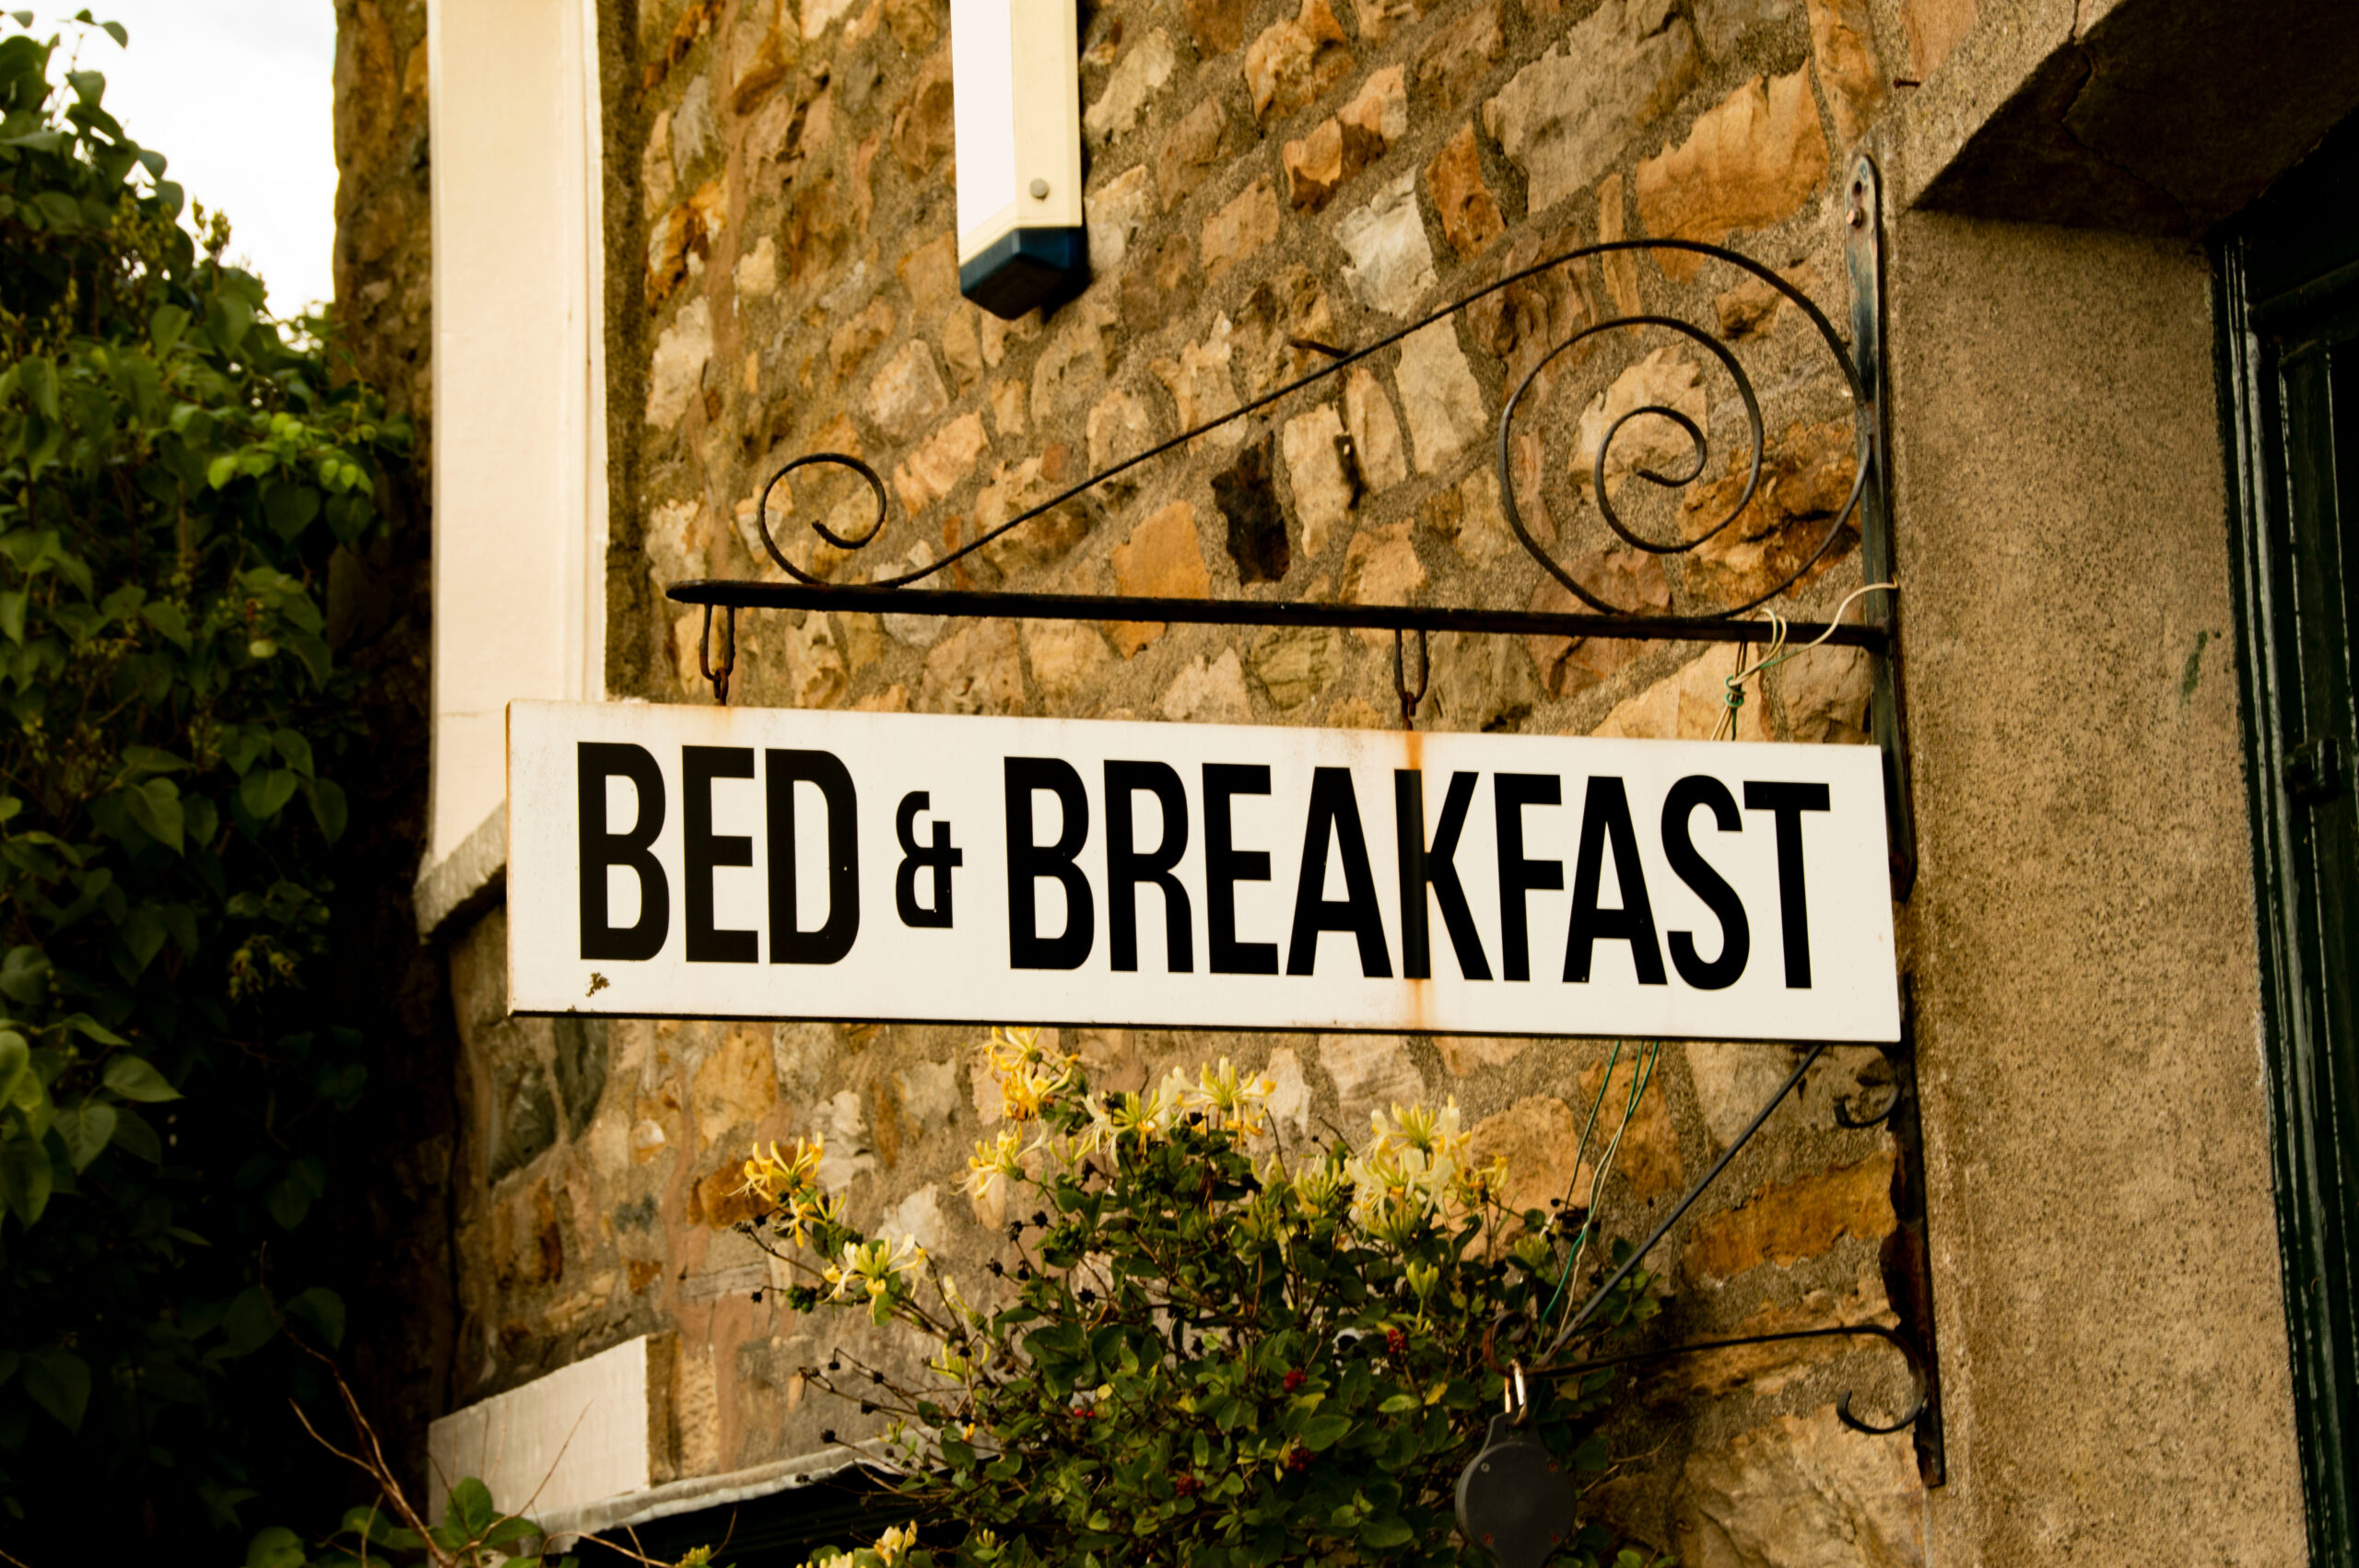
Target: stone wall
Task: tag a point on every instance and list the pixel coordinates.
(1267, 177)
(1262, 180)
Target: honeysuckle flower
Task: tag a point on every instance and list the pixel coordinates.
(867, 1268)
(895, 1544)
(811, 1210)
(1230, 1100)
(994, 1160)
(771, 1176)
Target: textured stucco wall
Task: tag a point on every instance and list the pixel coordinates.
(2099, 1205)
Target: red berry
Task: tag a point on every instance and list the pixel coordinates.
(1295, 1380)
(1395, 1341)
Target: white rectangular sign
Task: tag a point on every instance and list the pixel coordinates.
(676, 862)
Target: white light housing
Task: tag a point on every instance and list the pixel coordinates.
(1016, 80)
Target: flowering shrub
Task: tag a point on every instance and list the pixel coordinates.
(1207, 1348)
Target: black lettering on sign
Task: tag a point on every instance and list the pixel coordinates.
(1786, 804)
(1027, 862)
(1336, 813)
(1127, 867)
(1679, 849)
(941, 860)
(1226, 866)
(1510, 792)
(1435, 867)
(594, 763)
(782, 770)
(1606, 816)
(703, 850)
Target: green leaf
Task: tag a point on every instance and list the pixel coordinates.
(276, 1546)
(329, 809)
(15, 1056)
(156, 807)
(1398, 1404)
(85, 1130)
(133, 1135)
(24, 976)
(266, 791)
(323, 1310)
(169, 619)
(221, 470)
(134, 1079)
(38, 377)
(295, 749)
(289, 509)
(1323, 1430)
(471, 1508)
(166, 326)
(25, 1171)
(59, 1382)
(118, 33)
(12, 615)
(288, 1201)
(1385, 1532)
(248, 1325)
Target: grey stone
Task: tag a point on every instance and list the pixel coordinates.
(580, 1053)
(1391, 261)
(1803, 1492)
(1566, 117)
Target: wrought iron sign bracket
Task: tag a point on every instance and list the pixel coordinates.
(1859, 362)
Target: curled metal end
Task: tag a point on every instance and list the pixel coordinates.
(1921, 1397)
(720, 678)
(1846, 1117)
(861, 541)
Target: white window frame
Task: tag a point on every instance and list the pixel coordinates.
(519, 403)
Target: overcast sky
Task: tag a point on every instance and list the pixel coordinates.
(237, 94)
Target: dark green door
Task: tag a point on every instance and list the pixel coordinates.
(2288, 313)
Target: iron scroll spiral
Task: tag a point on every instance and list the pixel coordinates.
(1863, 422)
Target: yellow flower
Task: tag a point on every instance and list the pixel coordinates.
(771, 1176)
(995, 1159)
(867, 1268)
(895, 1543)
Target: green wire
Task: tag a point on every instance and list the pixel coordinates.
(1642, 1074)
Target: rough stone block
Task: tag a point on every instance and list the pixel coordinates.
(1470, 213)
(977, 671)
(1314, 166)
(1438, 391)
(1296, 62)
(938, 466)
(1752, 160)
(1191, 150)
(1786, 1222)
(1843, 46)
(1162, 559)
(1295, 664)
(1065, 655)
(1141, 74)
(1323, 492)
(907, 391)
(1566, 117)
(1376, 434)
(1249, 222)
(1208, 692)
(1805, 480)
(1391, 262)
(1381, 567)
(1801, 1491)
(1457, 59)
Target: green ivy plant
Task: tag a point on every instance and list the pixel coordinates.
(178, 474)
(1206, 1349)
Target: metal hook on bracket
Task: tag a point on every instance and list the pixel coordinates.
(720, 678)
(1409, 699)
